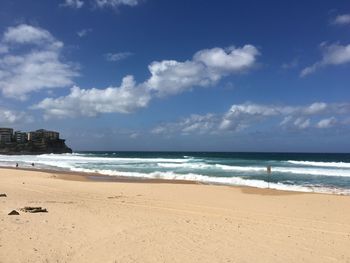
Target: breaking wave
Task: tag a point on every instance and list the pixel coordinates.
(322, 164)
(306, 176)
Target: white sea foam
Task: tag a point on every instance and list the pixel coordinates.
(87, 159)
(261, 169)
(68, 161)
(321, 164)
(186, 165)
(238, 181)
(201, 165)
(185, 169)
(313, 171)
(241, 168)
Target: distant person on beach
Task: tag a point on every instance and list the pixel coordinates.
(33, 164)
(16, 165)
(268, 169)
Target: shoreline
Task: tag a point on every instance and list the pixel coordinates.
(287, 175)
(96, 177)
(98, 221)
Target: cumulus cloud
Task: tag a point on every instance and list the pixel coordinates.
(342, 20)
(243, 116)
(232, 59)
(168, 77)
(26, 34)
(315, 108)
(32, 62)
(334, 54)
(114, 57)
(91, 102)
(326, 123)
(302, 123)
(194, 124)
(73, 3)
(11, 117)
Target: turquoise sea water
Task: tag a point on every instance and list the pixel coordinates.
(290, 171)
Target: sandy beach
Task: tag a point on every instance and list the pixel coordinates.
(90, 221)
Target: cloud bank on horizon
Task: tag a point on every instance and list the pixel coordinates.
(242, 116)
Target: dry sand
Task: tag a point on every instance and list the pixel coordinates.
(151, 222)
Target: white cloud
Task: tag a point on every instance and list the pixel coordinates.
(302, 123)
(326, 123)
(200, 124)
(242, 116)
(116, 3)
(334, 54)
(286, 120)
(91, 102)
(117, 56)
(33, 62)
(100, 3)
(222, 61)
(315, 108)
(26, 34)
(84, 32)
(300, 116)
(169, 77)
(342, 20)
(11, 117)
(134, 135)
(73, 3)
(238, 117)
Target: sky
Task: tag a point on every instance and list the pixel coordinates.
(184, 75)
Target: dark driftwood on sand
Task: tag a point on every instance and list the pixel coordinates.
(34, 209)
(3, 195)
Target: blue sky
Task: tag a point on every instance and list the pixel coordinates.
(179, 75)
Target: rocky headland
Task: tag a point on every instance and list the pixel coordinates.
(35, 142)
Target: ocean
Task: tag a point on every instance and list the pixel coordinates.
(307, 172)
